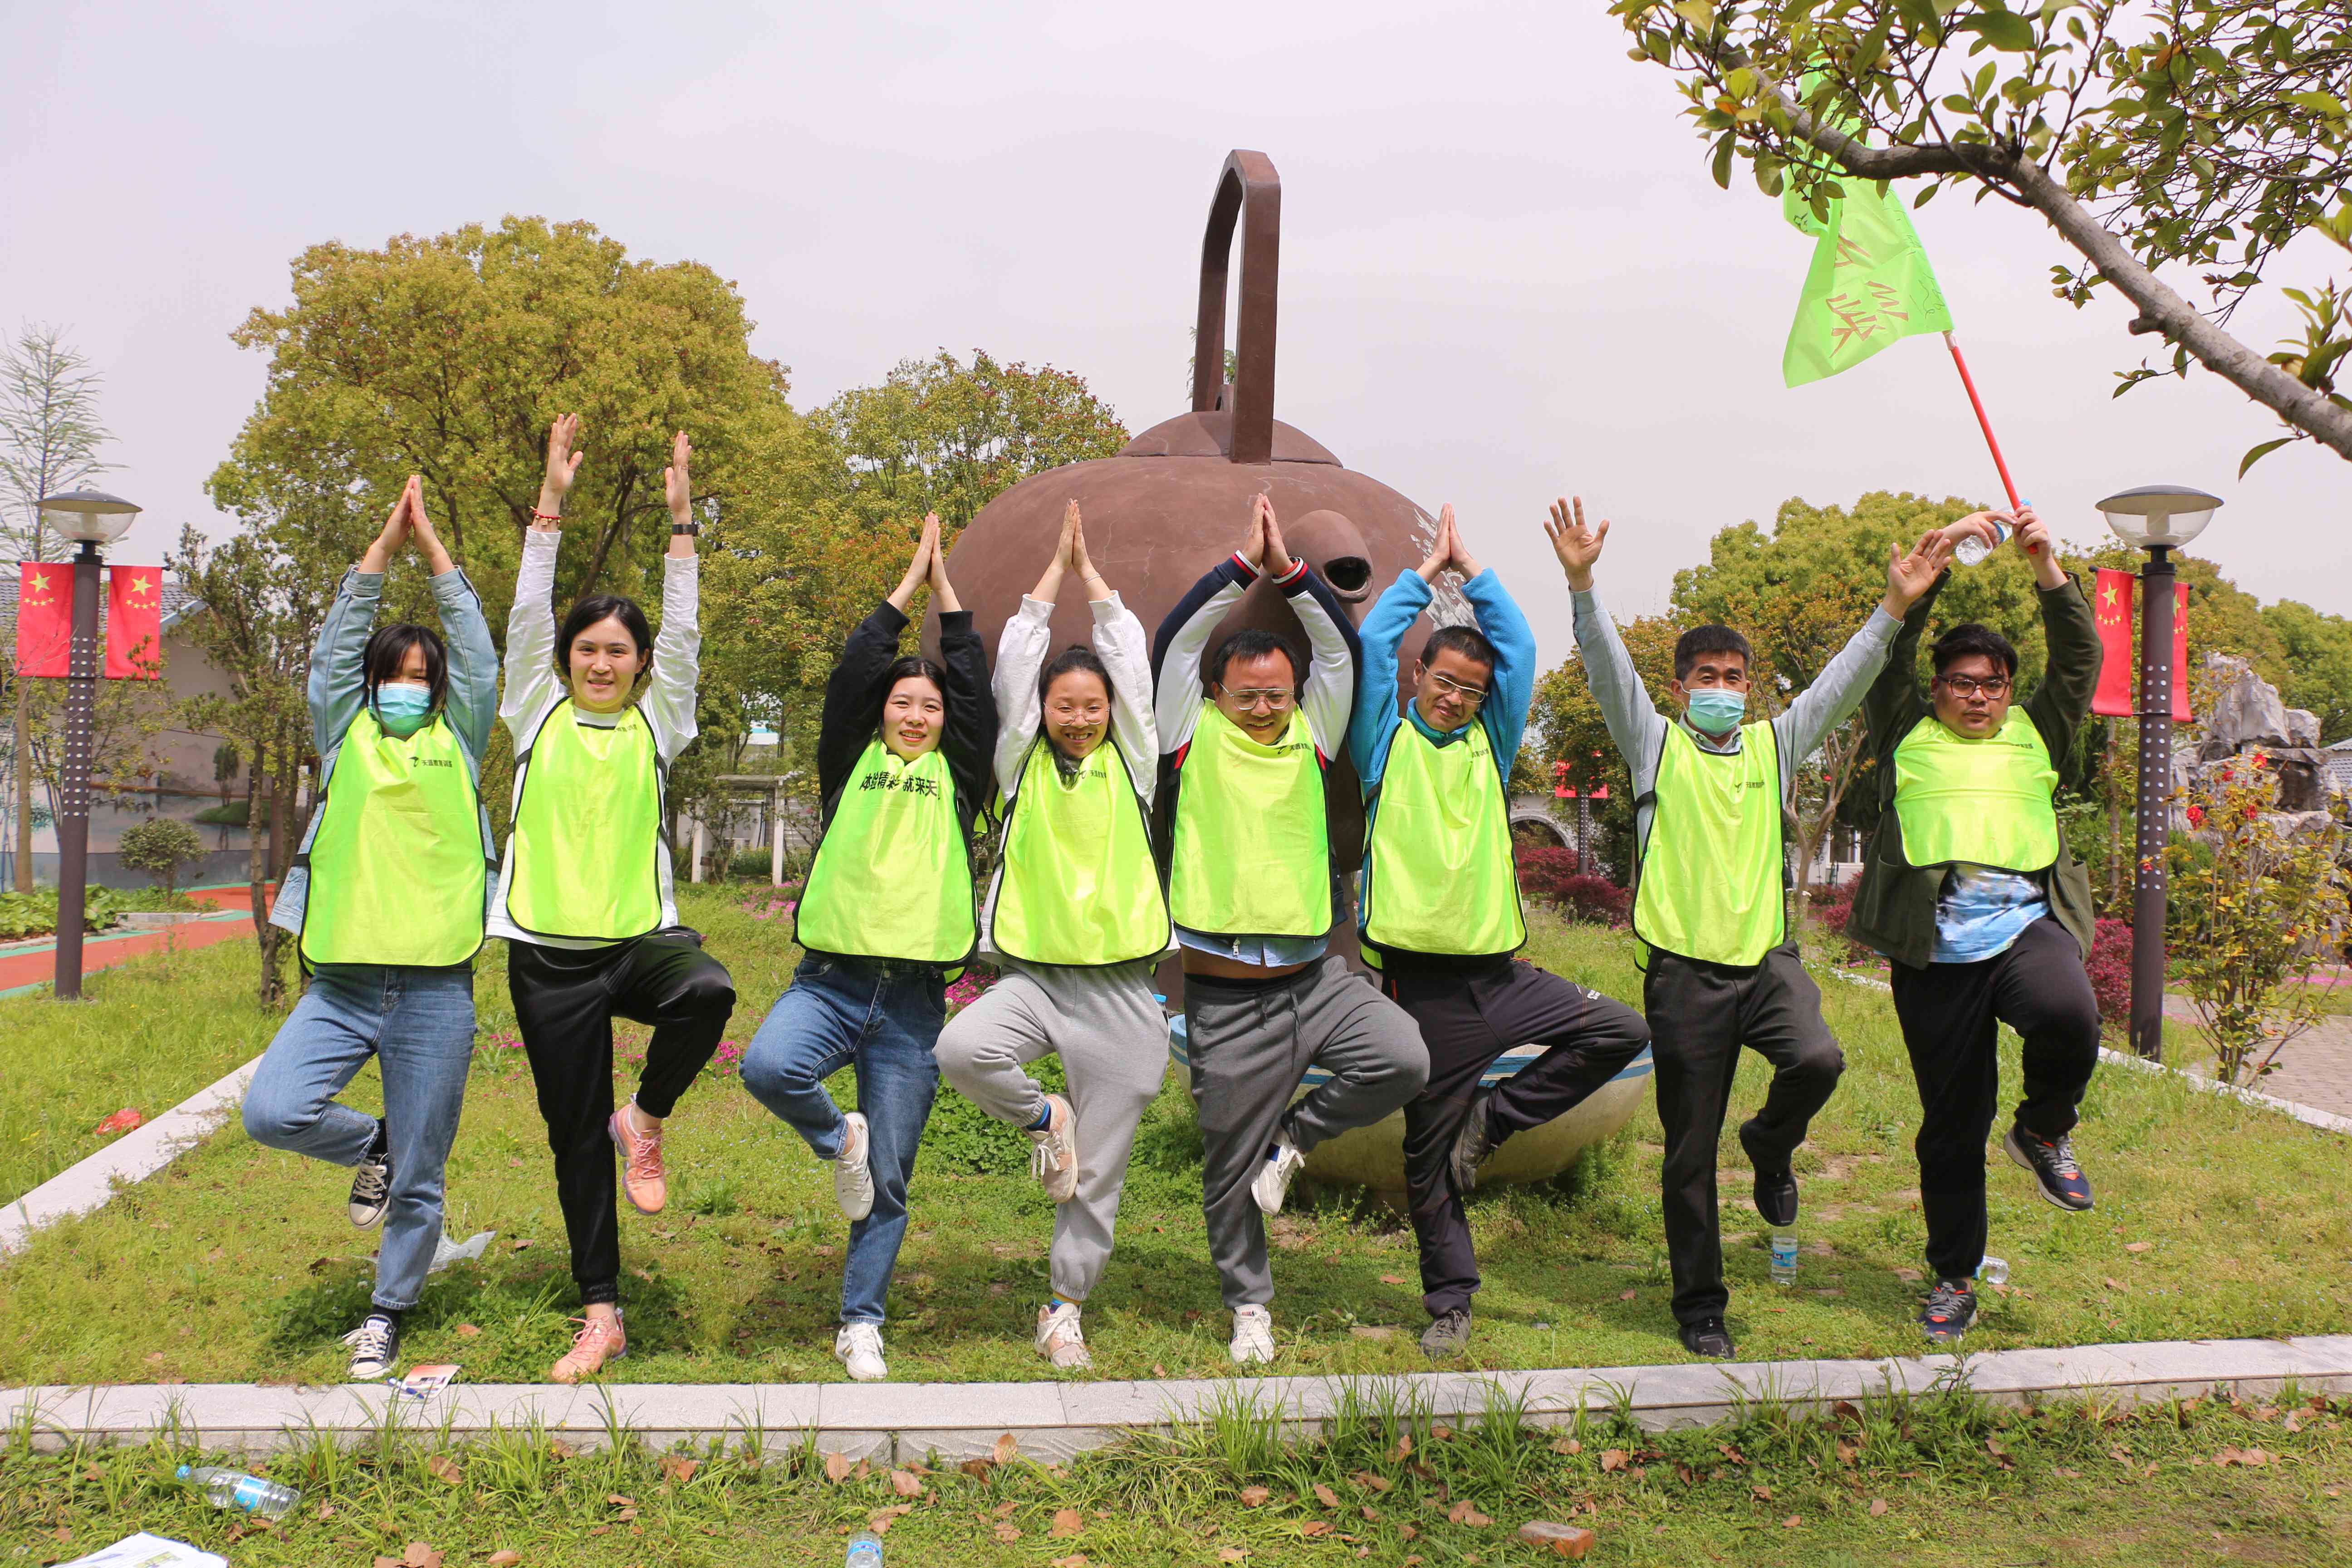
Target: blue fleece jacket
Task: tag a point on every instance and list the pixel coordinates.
(1511, 690)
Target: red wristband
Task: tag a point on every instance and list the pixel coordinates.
(538, 516)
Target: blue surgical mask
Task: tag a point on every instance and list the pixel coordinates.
(1716, 711)
(403, 710)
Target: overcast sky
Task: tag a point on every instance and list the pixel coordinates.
(1506, 273)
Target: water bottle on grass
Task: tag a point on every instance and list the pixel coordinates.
(247, 1494)
(864, 1551)
(1784, 1257)
(1993, 1271)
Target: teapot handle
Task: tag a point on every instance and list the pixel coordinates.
(1247, 188)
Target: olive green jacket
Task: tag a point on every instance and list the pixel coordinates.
(1895, 902)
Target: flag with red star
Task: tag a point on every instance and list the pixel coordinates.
(134, 623)
(2111, 607)
(44, 617)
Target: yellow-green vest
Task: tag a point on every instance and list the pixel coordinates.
(892, 876)
(1078, 885)
(1252, 854)
(1986, 802)
(1439, 878)
(588, 843)
(1712, 869)
(398, 866)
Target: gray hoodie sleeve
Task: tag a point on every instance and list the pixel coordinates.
(1634, 720)
(1831, 699)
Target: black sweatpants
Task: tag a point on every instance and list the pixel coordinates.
(2038, 987)
(1470, 1012)
(565, 1000)
(1701, 1013)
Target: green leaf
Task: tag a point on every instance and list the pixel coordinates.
(2258, 453)
(1923, 18)
(1722, 168)
(2003, 30)
(1697, 13)
(2325, 103)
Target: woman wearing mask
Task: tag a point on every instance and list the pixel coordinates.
(584, 899)
(387, 900)
(1076, 918)
(902, 768)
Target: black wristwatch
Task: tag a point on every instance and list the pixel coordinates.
(678, 528)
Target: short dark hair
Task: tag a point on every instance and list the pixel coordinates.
(1468, 641)
(1969, 638)
(1077, 655)
(1699, 641)
(389, 647)
(1250, 642)
(597, 607)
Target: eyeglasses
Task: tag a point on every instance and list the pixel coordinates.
(1964, 686)
(1273, 701)
(1472, 695)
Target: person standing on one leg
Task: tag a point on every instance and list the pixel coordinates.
(584, 901)
(1439, 900)
(1969, 889)
(387, 899)
(1720, 969)
(1078, 921)
(1248, 728)
(902, 760)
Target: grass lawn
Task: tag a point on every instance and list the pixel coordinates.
(1941, 1481)
(2213, 1219)
(145, 1036)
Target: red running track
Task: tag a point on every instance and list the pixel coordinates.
(37, 963)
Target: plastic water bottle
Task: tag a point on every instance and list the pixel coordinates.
(1971, 551)
(864, 1551)
(1993, 1271)
(1784, 1257)
(247, 1494)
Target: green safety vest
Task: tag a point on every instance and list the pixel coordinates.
(1253, 849)
(1079, 886)
(588, 843)
(892, 876)
(1709, 884)
(398, 864)
(1985, 802)
(1442, 878)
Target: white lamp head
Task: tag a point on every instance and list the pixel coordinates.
(89, 517)
(2159, 515)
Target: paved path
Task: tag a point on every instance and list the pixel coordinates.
(32, 965)
(2316, 1068)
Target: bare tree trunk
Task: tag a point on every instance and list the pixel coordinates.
(256, 873)
(614, 533)
(23, 742)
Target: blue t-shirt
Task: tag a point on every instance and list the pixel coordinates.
(1980, 912)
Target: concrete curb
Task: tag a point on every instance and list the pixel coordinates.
(908, 1423)
(136, 1155)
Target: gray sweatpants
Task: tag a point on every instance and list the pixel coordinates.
(1250, 1044)
(1113, 1041)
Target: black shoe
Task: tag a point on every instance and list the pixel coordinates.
(372, 1182)
(1949, 1313)
(1776, 1187)
(1709, 1338)
(2052, 1160)
(375, 1346)
(1449, 1336)
(1475, 1142)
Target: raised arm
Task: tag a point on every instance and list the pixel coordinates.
(669, 701)
(1833, 697)
(338, 682)
(1633, 721)
(531, 681)
(473, 704)
(1385, 625)
(853, 691)
(1184, 637)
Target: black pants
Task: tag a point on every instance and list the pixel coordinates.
(1702, 1014)
(2037, 987)
(1469, 1015)
(565, 1000)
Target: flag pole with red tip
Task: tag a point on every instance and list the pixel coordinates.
(1983, 424)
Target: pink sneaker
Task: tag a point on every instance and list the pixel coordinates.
(642, 1182)
(600, 1340)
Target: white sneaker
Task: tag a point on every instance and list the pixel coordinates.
(1271, 1183)
(858, 1347)
(1059, 1339)
(375, 1348)
(371, 1187)
(853, 1175)
(1253, 1336)
(1053, 1160)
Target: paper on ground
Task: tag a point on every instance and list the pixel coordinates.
(145, 1550)
(445, 1252)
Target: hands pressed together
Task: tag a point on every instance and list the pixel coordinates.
(1448, 551)
(1262, 547)
(1070, 555)
(408, 525)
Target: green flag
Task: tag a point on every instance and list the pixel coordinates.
(1870, 284)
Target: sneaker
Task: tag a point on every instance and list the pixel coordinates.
(858, 1347)
(1053, 1160)
(1776, 1187)
(1271, 1183)
(1059, 1339)
(371, 1182)
(1449, 1336)
(1253, 1336)
(1471, 1149)
(1951, 1310)
(375, 1347)
(600, 1340)
(1707, 1338)
(642, 1181)
(2052, 1160)
(853, 1177)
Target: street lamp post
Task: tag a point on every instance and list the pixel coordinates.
(2158, 518)
(90, 519)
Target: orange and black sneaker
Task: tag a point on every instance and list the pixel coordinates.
(2051, 1162)
(1950, 1311)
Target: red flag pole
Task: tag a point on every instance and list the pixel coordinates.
(1983, 424)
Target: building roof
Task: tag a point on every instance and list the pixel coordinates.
(178, 603)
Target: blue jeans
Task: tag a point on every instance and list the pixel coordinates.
(885, 1018)
(419, 1023)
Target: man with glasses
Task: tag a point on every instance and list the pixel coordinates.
(1247, 728)
(1969, 889)
(1439, 901)
(1719, 969)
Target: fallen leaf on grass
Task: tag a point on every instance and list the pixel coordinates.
(1371, 1482)
(1312, 1528)
(1402, 1452)
(1391, 1279)
(420, 1556)
(1326, 1496)
(1878, 1508)
(1157, 1370)
(2248, 1457)
(881, 1520)
(466, 1331)
(446, 1468)
(1068, 1522)
(1005, 1448)
(1848, 1453)
(1255, 1497)
(2111, 1282)
(1566, 1446)
(1908, 1276)
(1371, 1515)
(1626, 1295)
(1792, 1522)
(1728, 1452)
(507, 1559)
(1008, 1532)
(521, 1245)
(906, 1484)
(2137, 1246)
(1231, 1555)
(1075, 1560)
(678, 1468)
(1003, 1509)
(1760, 1493)
(1466, 1512)
(1613, 1459)
(122, 1121)
(836, 1467)
(1410, 1533)
(1370, 1331)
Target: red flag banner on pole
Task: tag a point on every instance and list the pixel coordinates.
(134, 623)
(2181, 655)
(2111, 608)
(44, 617)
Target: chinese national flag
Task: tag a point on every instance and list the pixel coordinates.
(134, 623)
(2181, 655)
(44, 617)
(2111, 607)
